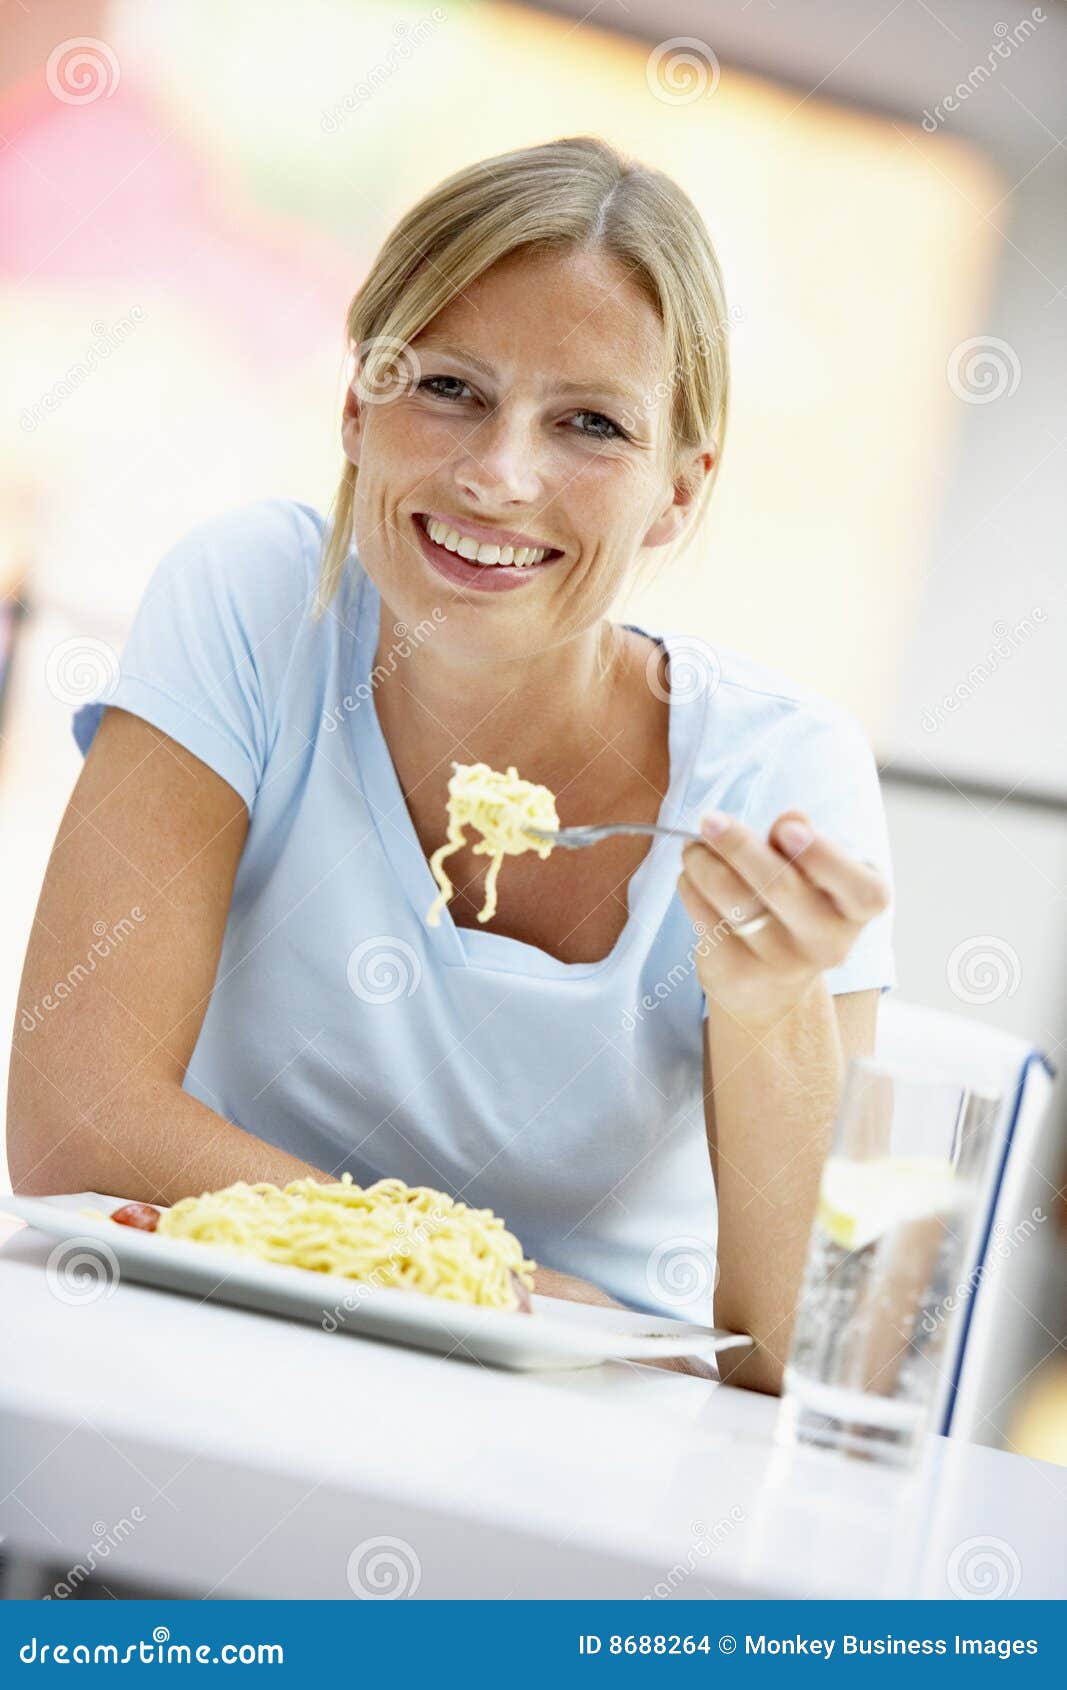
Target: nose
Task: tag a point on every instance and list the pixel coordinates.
(498, 464)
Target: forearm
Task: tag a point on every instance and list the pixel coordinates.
(769, 1109)
(153, 1142)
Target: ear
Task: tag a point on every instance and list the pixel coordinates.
(352, 425)
(684, 489)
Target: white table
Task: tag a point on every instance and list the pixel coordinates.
(207, 1450)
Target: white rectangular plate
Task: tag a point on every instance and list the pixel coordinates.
(556, 1334)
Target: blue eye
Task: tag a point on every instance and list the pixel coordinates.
(432, 384)
(616, 433)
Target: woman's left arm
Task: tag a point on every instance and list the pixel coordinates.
(776, 1046)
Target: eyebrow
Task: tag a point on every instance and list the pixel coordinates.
(625, 395)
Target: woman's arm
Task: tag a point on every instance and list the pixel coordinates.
(769, 1117)
(776, 1046)
(129, 927)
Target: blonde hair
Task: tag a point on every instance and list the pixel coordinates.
(572, 193)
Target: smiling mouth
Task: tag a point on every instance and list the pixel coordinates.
(509, 559)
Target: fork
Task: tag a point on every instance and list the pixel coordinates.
(573, 838)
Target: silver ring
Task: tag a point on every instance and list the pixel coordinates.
(754, 924)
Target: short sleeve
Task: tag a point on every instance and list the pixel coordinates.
(208, 653)
(820, 762)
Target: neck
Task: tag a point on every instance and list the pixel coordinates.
(549, 713)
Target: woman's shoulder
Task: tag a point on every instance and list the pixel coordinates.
(252, 552)
(761, 732)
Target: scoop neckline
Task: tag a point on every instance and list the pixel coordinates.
(479, 948)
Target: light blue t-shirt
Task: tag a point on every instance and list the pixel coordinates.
(567, 1097)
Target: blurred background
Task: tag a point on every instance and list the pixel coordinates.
(192, 192)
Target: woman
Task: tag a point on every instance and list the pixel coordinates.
(644, 1047)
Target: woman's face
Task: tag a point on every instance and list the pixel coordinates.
(536, 415)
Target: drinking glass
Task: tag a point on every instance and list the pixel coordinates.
(890, 1262)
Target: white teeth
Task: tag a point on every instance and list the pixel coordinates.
(453, 541)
